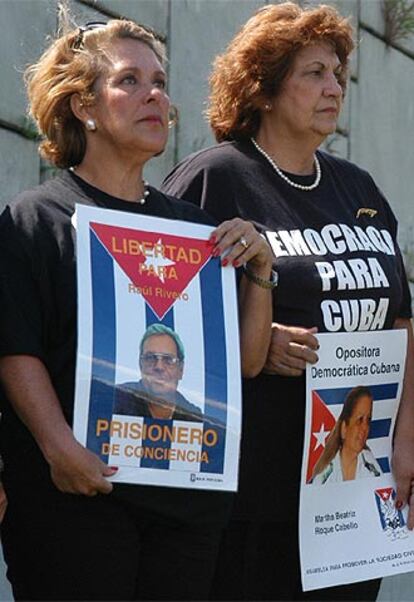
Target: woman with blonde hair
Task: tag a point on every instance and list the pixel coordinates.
(98, 96)
(276, 94)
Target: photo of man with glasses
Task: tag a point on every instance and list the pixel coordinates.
(161, 362)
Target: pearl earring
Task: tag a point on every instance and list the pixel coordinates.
(90, 125)
(268, 106)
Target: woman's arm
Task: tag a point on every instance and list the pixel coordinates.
(246, 246)
(403, 452)
(73, 468)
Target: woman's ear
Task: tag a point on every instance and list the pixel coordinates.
(80, 109)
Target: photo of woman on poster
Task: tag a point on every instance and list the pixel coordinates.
(346, 455)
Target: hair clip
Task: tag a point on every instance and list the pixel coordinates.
(87, 27)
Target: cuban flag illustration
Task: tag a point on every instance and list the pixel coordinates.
(326, 408)
(135, 271)
(392, 520)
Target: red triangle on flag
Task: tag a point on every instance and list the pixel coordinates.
(160, 266)
(384, 493)
(323, 421)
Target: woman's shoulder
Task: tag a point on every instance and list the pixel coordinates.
(358, 179)
(343, 166)
(30, 204)
(214, 158)
(170, 206)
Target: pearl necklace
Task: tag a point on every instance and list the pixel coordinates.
(284, 176)
(141, 201)
(144, 197)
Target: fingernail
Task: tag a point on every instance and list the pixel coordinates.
(236, 263)
(213, 239)
(224, 262)
(216, 252)
(399, 504)
(113, 467)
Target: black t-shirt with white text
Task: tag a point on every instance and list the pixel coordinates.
(340, 269)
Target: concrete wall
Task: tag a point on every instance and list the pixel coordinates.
(376, 124)
(376, 128)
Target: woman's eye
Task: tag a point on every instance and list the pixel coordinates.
(160, 83)
(129, 79)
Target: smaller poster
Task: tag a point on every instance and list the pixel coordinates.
(350, 529)
(158, 375)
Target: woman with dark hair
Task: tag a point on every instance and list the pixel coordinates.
(276, 94)
(346, 455)
(98, 96)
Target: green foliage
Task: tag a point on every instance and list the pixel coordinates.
(28, 129)
(398, 19)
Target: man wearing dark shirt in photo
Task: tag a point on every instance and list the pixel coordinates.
(161, 361)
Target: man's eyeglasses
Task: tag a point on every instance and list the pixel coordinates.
(87, 27)
(150, 360)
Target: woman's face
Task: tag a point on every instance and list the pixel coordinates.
(131, 108)
(310, 99)
(355, 433)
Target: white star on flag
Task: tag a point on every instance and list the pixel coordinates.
(320, 437)
(158, 262)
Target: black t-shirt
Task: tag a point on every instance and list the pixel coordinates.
(339, 267)
(38, 306)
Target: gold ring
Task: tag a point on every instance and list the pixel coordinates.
(243, 242)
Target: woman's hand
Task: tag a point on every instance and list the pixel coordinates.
(243, 244)
(29, 388)
(291, 348)
(75, 469)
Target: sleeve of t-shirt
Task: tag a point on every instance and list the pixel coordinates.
(20, 299)
(200, 180)
(185, 181)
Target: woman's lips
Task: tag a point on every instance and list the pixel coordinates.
(151, 119)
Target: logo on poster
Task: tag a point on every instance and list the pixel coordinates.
(392, 520)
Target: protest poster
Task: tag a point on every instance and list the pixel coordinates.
(349, 527)
(158, 370)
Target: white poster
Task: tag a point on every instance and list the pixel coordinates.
(158, 374)
(350, 529)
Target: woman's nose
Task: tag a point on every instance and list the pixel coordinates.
(333, 87)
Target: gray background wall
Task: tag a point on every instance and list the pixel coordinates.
(376, 129)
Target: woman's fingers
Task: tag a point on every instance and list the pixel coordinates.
(240, 243)
(291, 348)
(81, 472)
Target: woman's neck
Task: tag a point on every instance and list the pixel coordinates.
(349, 460)
(119, 180)
(292, 155)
